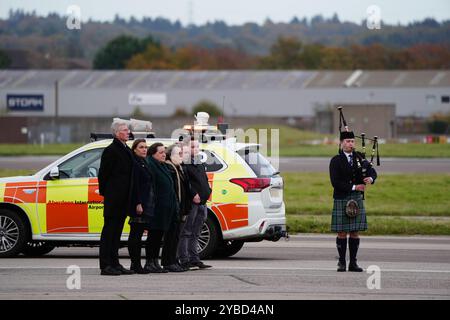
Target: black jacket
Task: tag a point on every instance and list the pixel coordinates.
(143, 191)
(165, 198)
(343, 176)
(115, 179)
(182, 188)
(199, 180)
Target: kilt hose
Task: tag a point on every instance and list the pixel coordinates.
(340, 222)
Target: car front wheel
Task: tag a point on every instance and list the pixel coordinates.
(36, 249)
(12, 233)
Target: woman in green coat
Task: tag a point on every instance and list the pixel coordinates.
(166, 211)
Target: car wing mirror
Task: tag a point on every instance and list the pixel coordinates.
(54, 173)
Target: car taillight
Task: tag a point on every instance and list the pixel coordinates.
(252, 184)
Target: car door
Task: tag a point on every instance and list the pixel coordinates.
(72, 202)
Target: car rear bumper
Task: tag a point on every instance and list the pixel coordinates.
(265, 229)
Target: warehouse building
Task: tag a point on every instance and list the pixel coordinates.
(62, 105)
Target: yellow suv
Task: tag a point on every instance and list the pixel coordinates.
(60, 205)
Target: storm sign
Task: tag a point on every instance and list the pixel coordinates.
(25, 102)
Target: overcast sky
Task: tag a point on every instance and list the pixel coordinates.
(238, 11)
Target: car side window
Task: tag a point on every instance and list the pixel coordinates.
(211, 161)
(83, 165)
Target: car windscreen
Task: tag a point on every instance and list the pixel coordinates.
(259, 164)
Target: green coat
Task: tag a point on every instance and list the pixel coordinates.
(166, 199)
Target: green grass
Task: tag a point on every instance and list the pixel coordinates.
(391, 195)
(34, 149)
(12, 173)
(396, 204)
(297, 143)
(378, 225)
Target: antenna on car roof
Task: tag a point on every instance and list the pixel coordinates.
(221, 125)
(222, 117)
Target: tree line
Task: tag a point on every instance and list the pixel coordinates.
(127, 52)
(48, 40)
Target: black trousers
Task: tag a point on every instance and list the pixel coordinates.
(169, 250)
(135, 242)
(110, 241)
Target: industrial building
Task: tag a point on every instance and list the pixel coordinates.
(33, 102)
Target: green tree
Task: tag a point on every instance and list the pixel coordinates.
(312, 56)
(5, 60)
(138, 114)
(336, 58)
(118, 51)
(207, 106)
(284, 54)
(180, 112)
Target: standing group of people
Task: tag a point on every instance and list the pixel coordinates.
(164, 192)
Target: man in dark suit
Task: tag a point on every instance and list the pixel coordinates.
(115, 181)
(349, 183)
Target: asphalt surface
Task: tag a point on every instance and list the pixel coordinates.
(302, 268)
(303, 164)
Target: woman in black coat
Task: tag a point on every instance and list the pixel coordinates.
(166, 214)
(174, 158)
(143, 208)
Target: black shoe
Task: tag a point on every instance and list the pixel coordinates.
(199, 264)
(110, 271)
(152, 266)
(184, 266)
(341, 266)
(123, 270)
(353, 267)
(136, 267)
(174, 268)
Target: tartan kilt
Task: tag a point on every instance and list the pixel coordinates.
(340, 222)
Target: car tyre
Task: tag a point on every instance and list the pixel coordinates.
(36, 249)
(13, 235)
(209, 238)
(228, 248)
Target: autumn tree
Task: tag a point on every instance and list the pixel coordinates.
(154, 57)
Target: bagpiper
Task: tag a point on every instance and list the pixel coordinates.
(350, 174)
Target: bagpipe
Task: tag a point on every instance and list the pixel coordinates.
(361, 160)
(362, 167)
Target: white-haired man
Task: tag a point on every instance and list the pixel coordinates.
(115, 181)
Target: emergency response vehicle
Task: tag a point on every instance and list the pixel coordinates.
(60, 205)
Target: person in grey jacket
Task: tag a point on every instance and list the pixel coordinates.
(200, 192)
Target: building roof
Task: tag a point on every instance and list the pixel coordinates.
(222, 80)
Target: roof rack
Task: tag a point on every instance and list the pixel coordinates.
(203, 131)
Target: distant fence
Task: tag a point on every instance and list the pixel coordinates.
(38, 130)
(66, 130)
